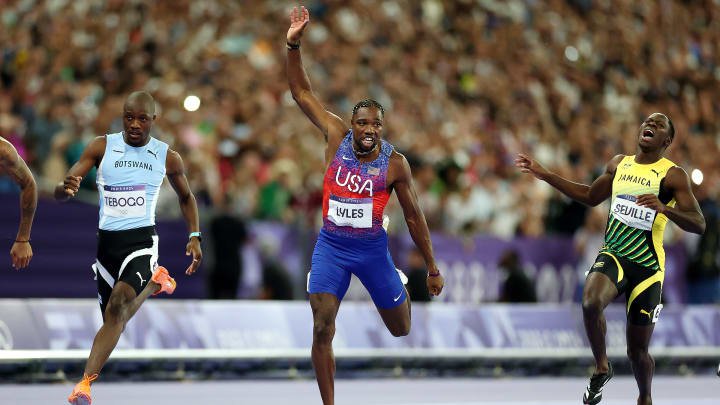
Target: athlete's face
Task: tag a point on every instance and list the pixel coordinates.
(137, 120)
(654, 132)
(367, 126)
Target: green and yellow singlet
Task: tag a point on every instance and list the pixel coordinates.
(632, 231)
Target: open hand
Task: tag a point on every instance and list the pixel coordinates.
(193, 248)
(528, 165)
(298, 22)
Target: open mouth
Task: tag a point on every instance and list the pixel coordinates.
(648, 134)
(367, 141)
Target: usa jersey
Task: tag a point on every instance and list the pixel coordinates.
(128, 180)
(354, 192)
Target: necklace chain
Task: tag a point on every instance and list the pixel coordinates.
(363, 153)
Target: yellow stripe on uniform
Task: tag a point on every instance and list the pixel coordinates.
(659, 276)
(621, 273)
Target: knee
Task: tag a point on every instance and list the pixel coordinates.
(323, 330)
(402, 329)
(116, 310)
(636, 354)
(592, 305)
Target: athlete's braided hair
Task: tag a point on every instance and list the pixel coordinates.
(368, 102)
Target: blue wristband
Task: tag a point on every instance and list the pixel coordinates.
(195, 234)
(433, 274)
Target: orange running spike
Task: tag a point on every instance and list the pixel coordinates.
(81, 393)
(162, 277)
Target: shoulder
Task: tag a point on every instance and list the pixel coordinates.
(399, 165)
(614, 163)
(337, 128)
(676, 174)
(97, 145)
(617, 159)
(398, 158)
(7, 150)
(173, 162)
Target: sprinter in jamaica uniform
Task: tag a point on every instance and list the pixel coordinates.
(645, 190)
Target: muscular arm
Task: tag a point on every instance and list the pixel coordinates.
(175, 171)
(686, 213)
(405, 190)
(14, 166)
(91, 156)
(591, 195)
(332, 126)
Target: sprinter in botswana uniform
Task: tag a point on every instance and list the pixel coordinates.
(131, 167)
(646, 191)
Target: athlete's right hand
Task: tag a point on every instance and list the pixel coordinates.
(71, 185)
(528, 165)
(21, 253)
(298, 22)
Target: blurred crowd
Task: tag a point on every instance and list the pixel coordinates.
(466, 85)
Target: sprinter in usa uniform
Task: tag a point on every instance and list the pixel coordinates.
(362, 170)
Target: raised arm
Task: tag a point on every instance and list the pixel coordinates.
(14, 166)
(332, 126)
(91, 156)
(402, 183)
(591, 195)
(686, 213)
(175, 171)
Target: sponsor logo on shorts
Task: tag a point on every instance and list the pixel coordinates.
(141, 279)
(655, 314)
(598, 264)
(398, 297)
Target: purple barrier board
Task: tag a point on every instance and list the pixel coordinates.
(171, 324)
(64, 244)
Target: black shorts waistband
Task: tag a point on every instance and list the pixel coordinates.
(127, 235)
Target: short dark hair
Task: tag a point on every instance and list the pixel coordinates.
(368, 102)
(672, 129)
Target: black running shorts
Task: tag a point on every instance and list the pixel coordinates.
(642, 286)
(129, 256)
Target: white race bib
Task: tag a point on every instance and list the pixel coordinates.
(354, 212)
(626, 210)
(124, 201)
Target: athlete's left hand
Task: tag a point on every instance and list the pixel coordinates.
(435, 284)
(193, 247)
(651, 201)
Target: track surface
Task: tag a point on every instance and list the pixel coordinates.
(696, 390)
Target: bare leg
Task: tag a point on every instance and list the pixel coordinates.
(122, 305)
(324, 308)
(397, 319)
(598, 293)
(643, 365)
